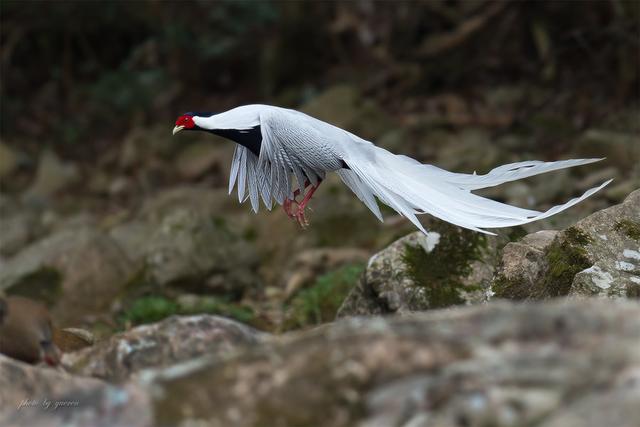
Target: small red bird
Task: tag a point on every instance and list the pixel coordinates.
(26, 331)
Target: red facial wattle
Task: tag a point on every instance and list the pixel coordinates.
(186, 121)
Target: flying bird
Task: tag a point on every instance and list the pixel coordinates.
(282, 155)
(25, 331)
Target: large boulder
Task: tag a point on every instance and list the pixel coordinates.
(37, 396)
(20, 382)
(173, 340)
(599, 255)
(565, 363)
(419, 272)
(18, 227)
(79, 271)
(52, 176)
(178, 239)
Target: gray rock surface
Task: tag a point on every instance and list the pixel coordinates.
(177, 239)
(173, 340)
(548, 364)
(79, 271)
(17, 229)
(20, 381)
(52, 176)
(35, 396)
(599, 255)
(417, 272)
(523, 263)
(8, 160)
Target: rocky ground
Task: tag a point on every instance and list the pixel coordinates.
(193, 311)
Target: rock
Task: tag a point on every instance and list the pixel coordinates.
(446, 267)
(523, 264)
(188, 249)
(8, 160)
(599, 255)
(106, 406)
(20, 381)
(201, 200)
(35, 396)
(173, 340)
(468, 151)
(199, 158)
(79, 272)
(52, 176)
(498, 364)
(72, 339)
(143, 146)
(344, 106)
(622, 149)
(311, 263)
(17, 230)
(178, 238)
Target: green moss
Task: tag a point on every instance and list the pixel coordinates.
(633, 291)
(219, 306)
(44, 284)
(566, 257)
(516, 233)
(630, 228)
(510, 289)
(320, 302)
(575, 236)
(149, 309)
(152, 308)
(441, 271)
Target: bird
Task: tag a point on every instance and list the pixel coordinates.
(282, 154)
(26, 331)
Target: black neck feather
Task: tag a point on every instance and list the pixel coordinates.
(250, 138)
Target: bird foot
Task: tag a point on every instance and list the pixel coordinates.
(287, 207)
(298, 213)
(300, 216)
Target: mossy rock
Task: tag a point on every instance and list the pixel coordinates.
(599, 255)
(448, 266)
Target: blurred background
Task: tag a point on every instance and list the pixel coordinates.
(113, 222)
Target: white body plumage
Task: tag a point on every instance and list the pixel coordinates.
(296, 148)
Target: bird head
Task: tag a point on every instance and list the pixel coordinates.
(185, 121)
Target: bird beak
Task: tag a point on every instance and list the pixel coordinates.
(177, 129)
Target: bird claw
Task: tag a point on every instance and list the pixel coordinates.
(301, 218)
(287, 208)
(299, 214)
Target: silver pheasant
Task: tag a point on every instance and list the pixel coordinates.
(283, 154)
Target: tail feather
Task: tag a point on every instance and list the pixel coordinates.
(413, 189)
(512, 172)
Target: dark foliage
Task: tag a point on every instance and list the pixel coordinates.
(72, 70)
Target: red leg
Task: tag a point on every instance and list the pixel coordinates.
(287, 202)
(299, 215)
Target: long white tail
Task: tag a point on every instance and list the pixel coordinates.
(412, 188)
